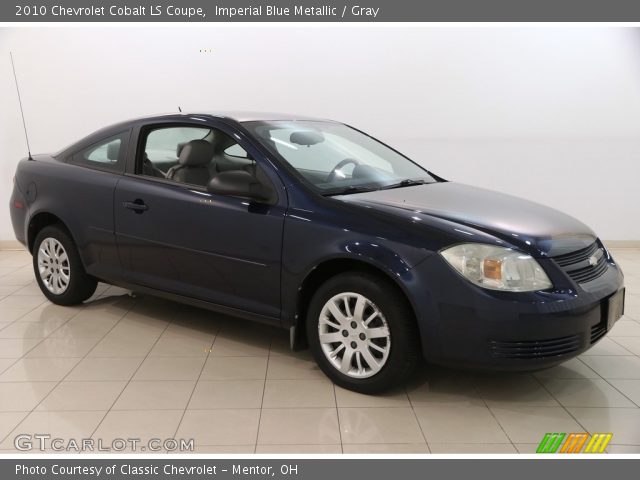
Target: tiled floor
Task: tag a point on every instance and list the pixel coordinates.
(120, 367)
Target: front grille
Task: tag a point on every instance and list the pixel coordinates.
(572, 258)
(584, 265)
(587, 274)
(597, 332)
(534, 348)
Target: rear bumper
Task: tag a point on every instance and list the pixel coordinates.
(464, 325)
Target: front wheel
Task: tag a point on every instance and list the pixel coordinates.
(58, 268)
(362, 332)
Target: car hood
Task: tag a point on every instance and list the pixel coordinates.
(527, 225)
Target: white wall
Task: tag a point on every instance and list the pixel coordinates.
(550, 114)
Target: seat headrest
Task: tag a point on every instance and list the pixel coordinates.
(179, 148)
(113, 150)
(196, 153)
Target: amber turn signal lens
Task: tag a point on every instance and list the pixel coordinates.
(492, 269)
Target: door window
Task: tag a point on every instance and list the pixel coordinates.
(190, 154)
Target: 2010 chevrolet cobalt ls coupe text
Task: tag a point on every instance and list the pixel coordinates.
(316, 227)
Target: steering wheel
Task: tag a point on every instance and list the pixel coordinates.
(342, 163)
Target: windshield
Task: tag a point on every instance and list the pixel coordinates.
(335, 158)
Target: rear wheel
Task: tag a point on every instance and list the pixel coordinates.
(58, 268)
(362, 332)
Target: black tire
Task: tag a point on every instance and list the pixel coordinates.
(404, 346)
(80, 285)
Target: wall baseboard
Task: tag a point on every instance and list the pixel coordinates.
(622, 243)
(11, 245)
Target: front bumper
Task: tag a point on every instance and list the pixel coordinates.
(464, 325)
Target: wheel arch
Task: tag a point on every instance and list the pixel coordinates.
(39, 221)
(326, 270)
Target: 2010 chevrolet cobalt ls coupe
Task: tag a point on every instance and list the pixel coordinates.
(316, 227)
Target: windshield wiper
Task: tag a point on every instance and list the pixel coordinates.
(350, 189)
(408, 182)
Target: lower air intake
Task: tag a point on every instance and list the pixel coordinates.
(532, 349)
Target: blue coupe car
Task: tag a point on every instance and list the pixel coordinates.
(365, 256)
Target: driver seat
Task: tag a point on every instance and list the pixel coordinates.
(193, 163)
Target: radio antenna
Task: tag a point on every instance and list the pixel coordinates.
(24, 124)
(179, 109)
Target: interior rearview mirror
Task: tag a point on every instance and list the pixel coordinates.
(239, 183)
(306, 137)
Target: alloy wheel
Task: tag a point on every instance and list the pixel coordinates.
(354, 335)
(53, 266)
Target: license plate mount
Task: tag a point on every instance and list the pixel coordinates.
(615, 308)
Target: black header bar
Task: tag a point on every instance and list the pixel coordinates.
(320, 11)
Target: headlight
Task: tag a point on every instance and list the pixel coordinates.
(497, 268)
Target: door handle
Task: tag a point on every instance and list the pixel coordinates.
(138, 206)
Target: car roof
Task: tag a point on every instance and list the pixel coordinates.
(241, 116)
(234, 116)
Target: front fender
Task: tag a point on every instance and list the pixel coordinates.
(380, 251)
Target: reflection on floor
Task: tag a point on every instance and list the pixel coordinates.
(120, 367)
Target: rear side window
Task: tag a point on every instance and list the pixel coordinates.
(107, 154)
(236, 151)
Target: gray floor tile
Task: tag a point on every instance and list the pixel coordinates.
(523, 389)
(624, 423)
(143, 425)
(227, 394)
(452, 424)
(155, 395)
(379, 425)
(298, 393)
(221, 426)
(528, 424)
(82, 396)
(586, 392)
(614, 366)
(309, 426)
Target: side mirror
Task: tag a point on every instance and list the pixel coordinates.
(239, 183)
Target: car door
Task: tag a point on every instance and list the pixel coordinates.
(174, 236)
